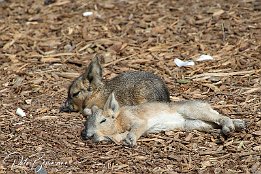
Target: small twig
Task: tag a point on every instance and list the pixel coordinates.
(118, 60)
(46, 117)
(68, 75)
(75, 62)
(224, 106)
(212, 152)
(147, 139)
(207, 75)
(60, 54)
(223, 31)
(238, 113)
(258, 89)
(246, 154)
(42, 55)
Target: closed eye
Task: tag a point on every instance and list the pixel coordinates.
(76, 93)
(103, 121)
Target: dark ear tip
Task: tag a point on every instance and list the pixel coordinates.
(97, 58)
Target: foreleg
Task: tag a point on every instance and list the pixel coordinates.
(137, 130)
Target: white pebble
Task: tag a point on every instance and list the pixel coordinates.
(181, 63)
(20, 112)
(28, 101)
(204, 57)
(87, 13)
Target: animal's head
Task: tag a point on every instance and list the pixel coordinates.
(83, 87)
(101, 124)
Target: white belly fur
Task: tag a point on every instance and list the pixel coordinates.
(165, 121)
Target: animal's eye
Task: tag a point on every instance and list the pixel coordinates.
(103, 121)
(75, 94)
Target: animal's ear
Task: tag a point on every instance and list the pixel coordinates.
(112, 104)
(94, 109)
(93, 72)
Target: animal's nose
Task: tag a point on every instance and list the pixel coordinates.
(86, 135)
(89, 135)
(65, 107)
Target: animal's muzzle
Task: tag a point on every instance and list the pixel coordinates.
(86, 135)
(66, 107)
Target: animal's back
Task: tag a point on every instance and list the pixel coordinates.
(137, 87)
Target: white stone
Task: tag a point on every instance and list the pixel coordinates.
(204, 57)
(87, 13)
(20, 112)
(181, 63)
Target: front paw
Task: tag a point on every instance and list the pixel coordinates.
(118, 138)
(87, 112)
(130, 140)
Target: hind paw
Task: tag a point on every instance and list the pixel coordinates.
(227, 125)
(239, 124)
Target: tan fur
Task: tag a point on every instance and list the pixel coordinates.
(126, 124)
(130, 88)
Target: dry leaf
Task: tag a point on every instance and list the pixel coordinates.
(188, 138)
(218, 12)
(211, 86)
(158, 30)
(205, 164)
(68, 75)
(140, 157)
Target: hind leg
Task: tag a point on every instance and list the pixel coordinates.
(201, 126)
(197, 110)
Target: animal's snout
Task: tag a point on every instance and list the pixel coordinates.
(89, 135)
(86, 135)
(66, 107)
(95, 137)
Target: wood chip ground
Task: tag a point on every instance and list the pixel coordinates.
(43, 47)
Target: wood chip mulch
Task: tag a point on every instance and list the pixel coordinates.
(44, 45)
